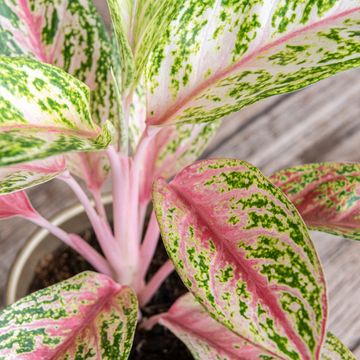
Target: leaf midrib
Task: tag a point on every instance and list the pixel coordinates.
(286, 326)
(90, 316)
(178, 106)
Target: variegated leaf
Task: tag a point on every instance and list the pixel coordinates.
(25, 175)
(327, 195)
(206, 338)
(86, 317)
(119, 11)
(241, 247)
(175, 147)
(43, 112)
(334, 349)
(70, 35)
(218, 56)
(16, 204)
(139, 25)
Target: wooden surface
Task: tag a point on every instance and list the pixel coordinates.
(316, 124)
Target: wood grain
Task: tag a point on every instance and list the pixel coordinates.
(318, 123)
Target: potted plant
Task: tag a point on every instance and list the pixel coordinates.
(139, 108)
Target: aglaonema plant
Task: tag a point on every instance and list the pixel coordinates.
(137, 104)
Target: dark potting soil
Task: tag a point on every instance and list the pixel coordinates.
(156, 344)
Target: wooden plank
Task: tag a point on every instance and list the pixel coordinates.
(287, 133)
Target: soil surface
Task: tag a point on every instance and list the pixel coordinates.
(156, 344)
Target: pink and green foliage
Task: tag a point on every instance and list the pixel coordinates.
(205, 337)
(208, 339)
(86, 317)
(173, 148)
(202, 69)
(240, 246)
(334, 349)
(143, 106)
(327, 195)
(22, 176)
(71, 36)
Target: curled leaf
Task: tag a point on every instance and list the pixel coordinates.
(43, 112)
(139, 26)
(70, 35)
(327, 195)
(86, 317)
(241, 248)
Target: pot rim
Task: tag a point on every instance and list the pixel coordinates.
(33, 241)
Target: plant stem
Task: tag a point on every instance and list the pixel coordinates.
(153, 285)
(96, 194)
(148, 246)
(119, 186)
(102, 231)
(76, 243)
(122, 215)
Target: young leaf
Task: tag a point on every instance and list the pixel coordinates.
(16, 204)
(334, 349)
(86, 317)
(120, 11)
(175, 147)
(206, 338)
(22, 176)
(240, 246)
(327, 195)
(218, 56)
(138, 26)
(43, 112)
(70, 35)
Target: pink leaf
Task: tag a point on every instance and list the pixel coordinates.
(86, 317)
(327, 195)
(206, 338)
(173, 148)
(16, 204)
(240, 246)
(209, 340)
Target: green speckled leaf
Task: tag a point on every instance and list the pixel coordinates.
(70, 35)
(242, 249)
(25, 175)
(327, 196)
(43, 112)
(86, 317)
(215, 57)
(139, 25)
(334, 349)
